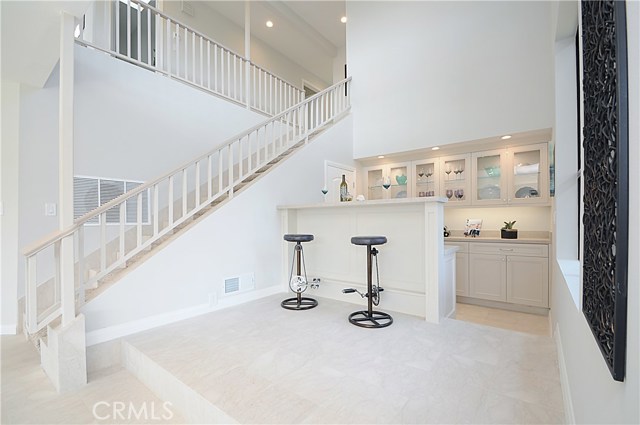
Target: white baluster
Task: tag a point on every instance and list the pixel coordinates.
(197, 184)
(209, 178)
(122, 241)
(81, 266)
(139, 220)
(208, 64)
(139, 25)
(129, 28)
(103, 241)
(156, 210)
(32, 294)
(170, 223)
(184, 192)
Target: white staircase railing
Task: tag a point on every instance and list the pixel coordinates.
(104, 239)
(145, 36)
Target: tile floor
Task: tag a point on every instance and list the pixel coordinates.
(260, 363)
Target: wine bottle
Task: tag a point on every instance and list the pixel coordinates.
(343, 189)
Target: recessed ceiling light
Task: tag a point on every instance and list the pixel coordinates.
(343, 19)
(380, 156)
(269, 24)
(508, 136)
(435, 148)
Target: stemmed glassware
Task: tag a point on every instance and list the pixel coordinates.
(386, 182)
(449, 193)
(447, 170)
(324, 193)
(459, 194)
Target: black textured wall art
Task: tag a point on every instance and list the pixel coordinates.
(606, 177)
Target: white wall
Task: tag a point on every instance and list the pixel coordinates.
(527, 218)
(435, 73)
(129, 123)
(230, 35)
(595, 396)
(242, 237)
(9, 205)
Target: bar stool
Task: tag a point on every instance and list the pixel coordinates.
(370, 318)
(299, 283)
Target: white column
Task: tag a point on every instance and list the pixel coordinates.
(9, 251)
(247, 51)
(65, 164)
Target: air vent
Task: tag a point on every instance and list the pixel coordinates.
(238, 284)
(231, 285)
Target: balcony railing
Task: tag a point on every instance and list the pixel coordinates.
(145, 36)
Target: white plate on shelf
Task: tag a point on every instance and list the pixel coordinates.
(489, 192)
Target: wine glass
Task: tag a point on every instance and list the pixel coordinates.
(461, 167)
(429, 172)
(449, 193)
(421, 172)
(324, 193)
(456, 170)
(386, 182)
(459, 194)
(447, 170)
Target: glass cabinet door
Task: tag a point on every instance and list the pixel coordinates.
(374, 184)
(528, 178)
(490, 177)
(425, 175)
(454, 179)
(398, 176)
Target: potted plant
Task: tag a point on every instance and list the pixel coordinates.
(508, 232)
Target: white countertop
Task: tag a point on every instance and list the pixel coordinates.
(498, 239)
(403, 201)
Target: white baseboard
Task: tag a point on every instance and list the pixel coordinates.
(9, 329)
(564, 380)
(99, 336)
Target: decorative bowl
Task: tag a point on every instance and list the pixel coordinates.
(402, 180)
(492, 171)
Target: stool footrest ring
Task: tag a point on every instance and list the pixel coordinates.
(299, 303)
(377, 319)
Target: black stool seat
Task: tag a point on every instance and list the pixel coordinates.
(368, 240)
(298, 238)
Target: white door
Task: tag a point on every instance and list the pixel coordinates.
(333, 177)
(488, 277)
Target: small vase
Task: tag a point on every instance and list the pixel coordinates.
(509, 233)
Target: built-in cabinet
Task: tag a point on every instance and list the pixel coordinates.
(513, 273)
(511, 176)
(389, 181)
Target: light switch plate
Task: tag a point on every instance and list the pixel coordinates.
(1, 208)
(50, 209)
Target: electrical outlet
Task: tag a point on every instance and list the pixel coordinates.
(50, 209)
(315, 280)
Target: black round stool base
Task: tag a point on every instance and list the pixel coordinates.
(377, 319)
(302, 304)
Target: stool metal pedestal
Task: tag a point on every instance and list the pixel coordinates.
(298, 283)
(370, 318)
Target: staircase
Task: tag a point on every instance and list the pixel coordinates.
(177, 200)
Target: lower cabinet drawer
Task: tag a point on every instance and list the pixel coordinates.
(535, 250)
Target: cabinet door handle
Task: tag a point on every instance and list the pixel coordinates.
(506, 249)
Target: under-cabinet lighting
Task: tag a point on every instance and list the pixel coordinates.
(269, 24)
(435, 148)
(380, 156)
(508, 136)
(343, 19)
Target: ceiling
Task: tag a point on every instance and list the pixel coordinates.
(308, 32)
